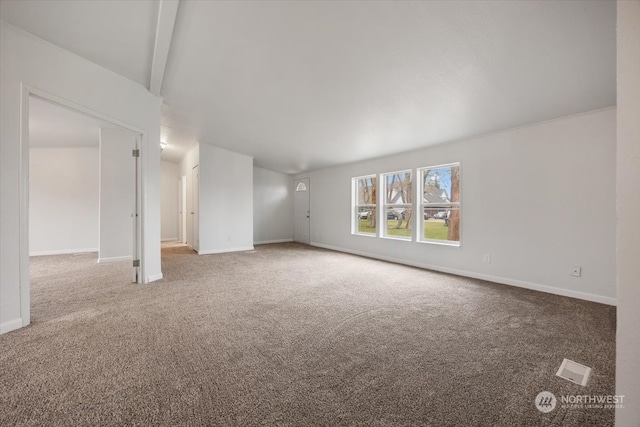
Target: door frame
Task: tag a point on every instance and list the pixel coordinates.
(195, 208)
(27, 91)
(182, 206)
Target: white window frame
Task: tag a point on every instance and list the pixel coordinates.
(382, 198)
(355, 206)
(421, 205)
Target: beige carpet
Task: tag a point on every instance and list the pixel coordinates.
(292, 335)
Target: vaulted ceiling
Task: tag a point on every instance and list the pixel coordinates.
(310, 84)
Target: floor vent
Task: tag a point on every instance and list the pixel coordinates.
(574, 372)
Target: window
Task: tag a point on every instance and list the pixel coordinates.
(440, 203)
(364, 220)
(398, 205)
(301, 186)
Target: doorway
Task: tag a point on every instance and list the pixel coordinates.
(302, 213)
(82, 197)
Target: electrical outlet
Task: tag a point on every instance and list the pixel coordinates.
(576, 271)
(487, 258)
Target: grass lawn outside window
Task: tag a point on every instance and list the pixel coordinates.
(433, 229)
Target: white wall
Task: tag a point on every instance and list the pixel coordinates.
(117, 194)
(28, 63)
(628, 213)
(539, 199)
(272, 206)
(169, 182)
(226, 201)
(63, 200)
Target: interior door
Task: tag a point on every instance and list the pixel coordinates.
(135, 215)
(195, 194)
(302, 213)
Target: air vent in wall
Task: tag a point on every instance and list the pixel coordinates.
(574, 372)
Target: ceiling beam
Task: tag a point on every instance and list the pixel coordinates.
(164, 32)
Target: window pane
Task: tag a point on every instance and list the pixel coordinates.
(398, 188)
(366, 220)
(440, 203)
(438, 184)
(398, 222)
(437, 226)
(366, 190)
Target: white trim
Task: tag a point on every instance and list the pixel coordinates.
(496, 279)
(23, 207)
(170, 239)
(63, 252)
(67, 104)
(222, 251)
(155, 277)
(11, 325)
(115, 259)
(365, 234)
(267, 242)
(402, 239)
(440, 242)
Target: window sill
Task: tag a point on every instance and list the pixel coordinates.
(396, 238)
(363, 234)
(440, 243)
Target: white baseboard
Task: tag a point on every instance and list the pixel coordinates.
(115, 259)
(223, 251)
(154, 278)
(267, 242)
(63, 252)
(11, 325)
(502, 280)
(169, 239)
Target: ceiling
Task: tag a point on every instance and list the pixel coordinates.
(306, 85)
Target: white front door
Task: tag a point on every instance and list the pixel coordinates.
(301, 210)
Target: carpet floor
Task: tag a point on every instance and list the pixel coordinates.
(293, 335)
